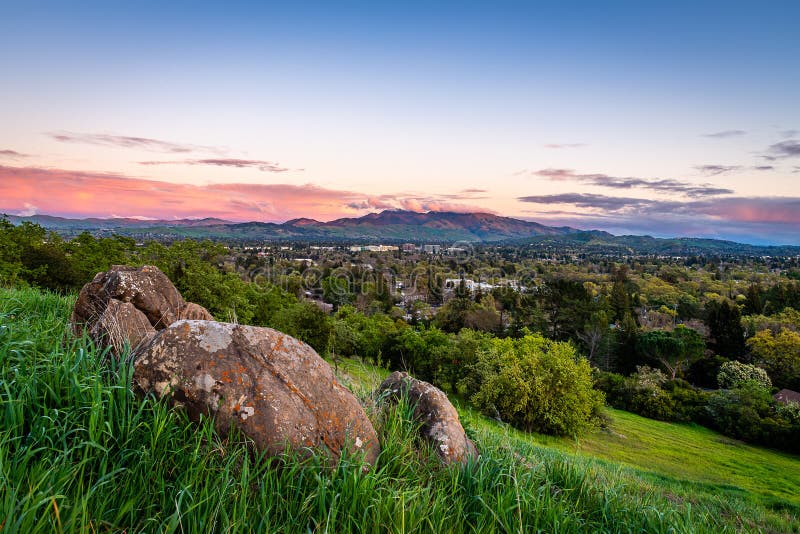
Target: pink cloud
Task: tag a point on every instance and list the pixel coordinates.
(87, 194)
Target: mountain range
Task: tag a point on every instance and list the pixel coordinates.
(392, 225)
(401, 226)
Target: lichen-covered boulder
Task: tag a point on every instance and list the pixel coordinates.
(439, 418)
(273, 387)
(111, 307)
(149, 290)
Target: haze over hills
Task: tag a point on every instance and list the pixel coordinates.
(403, 226)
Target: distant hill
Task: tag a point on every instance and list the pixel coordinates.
(432, 226)
(391, 225)
(58, 223)
(406, 226)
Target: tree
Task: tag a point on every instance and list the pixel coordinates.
(620, 300)
(307, 322)
(596, 337)
(673, 350)
(10, 253)
(754, 304)
(724, 322)
(782, 295)
(451, 316)
(90, 255)
(779, 355)
(567, 306)
(336, 290)
(483, 316)
(626, 336)
(536, 384)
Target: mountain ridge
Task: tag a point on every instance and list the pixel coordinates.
(403, 226)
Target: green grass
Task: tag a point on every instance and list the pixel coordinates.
(692, 452)
(79, 452)
(688, 455)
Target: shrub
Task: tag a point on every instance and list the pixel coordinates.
(613, 386)
(536, 384)
(703, 372)
(733, 374)
(645, 395)
(790, 412)
(689, 401)
(648, 392)
(739, 412)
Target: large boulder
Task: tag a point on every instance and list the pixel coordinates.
(126, 305)
(274, 388)
(439, 418)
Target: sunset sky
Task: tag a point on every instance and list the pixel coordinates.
(676, 118)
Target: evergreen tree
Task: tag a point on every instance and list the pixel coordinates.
(724, 322)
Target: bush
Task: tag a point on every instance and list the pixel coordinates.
(645, 396)
(790, 412)
(536, 384)
(649, 393)
(739, 412)
(703, 372)
(613, 386)
(733, 374)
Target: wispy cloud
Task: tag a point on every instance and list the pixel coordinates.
(763, 168)
(661, 185)
(714, 170)
(785, 149)
(594, 201)
(85, 194)
(765, 220)
(557, 146)
(724, 134)
(262, 165)
(126, 141)
(419, 203)
(740, 209)
(789, 133)
(13, 154)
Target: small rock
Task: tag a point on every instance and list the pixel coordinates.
(190, 310)
(440, 423)
(121, 324)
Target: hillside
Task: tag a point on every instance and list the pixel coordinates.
(392, 225)
(688, 455)
(79, 452)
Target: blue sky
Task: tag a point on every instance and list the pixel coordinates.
(676, 118)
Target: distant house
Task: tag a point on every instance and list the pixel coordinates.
(785, 396)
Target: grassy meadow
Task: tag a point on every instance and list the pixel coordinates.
(80, 452)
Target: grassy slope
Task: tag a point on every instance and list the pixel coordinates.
(694, 453)
(689, 455)
(80, 453)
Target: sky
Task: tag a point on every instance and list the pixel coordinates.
(667, 119)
